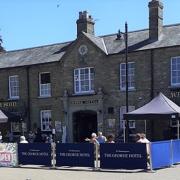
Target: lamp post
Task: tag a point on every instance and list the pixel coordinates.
(127, 97)
(126, 134)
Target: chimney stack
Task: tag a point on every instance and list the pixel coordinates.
(155, 19)
(85, 23)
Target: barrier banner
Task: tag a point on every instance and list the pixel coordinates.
(35, 153)
(123, 156)
(81, 155)
(176, 151)
(161, 154)
(8, 154)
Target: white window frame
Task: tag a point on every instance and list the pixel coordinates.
(15, 126)
(48, 122)
(173, 123)
(44, 89)
(177, 71)
(78, 80)
(132, 123)
(131, 76)
(14, 87)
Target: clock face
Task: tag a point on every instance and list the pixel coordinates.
(83, 49)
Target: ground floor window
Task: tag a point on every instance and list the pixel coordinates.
(132, 123)
(46, 120)
(173, 123)
(122, 127)
(15, 127)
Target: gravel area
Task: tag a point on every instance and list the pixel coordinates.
(42, 173)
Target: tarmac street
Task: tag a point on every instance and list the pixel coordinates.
(36, 173)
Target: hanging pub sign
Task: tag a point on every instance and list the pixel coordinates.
(8, 154)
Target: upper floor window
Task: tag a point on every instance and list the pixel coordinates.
(46, 120)
(131, 73)
(84, 80)
(14, 87)
(45, 84)
(175, 71)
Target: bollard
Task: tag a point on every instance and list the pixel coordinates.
(171, 155)
(53, 155)
(150, 159)
(97, 152)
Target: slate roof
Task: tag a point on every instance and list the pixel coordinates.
(98, 41)
(31, 56)
(137, 40)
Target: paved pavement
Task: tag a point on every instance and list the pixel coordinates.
(36, 173)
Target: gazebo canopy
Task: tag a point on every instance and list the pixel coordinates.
(3, 117)
(158, 108)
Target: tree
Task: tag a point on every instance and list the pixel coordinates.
(1, 48)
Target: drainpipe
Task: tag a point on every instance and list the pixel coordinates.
(152, 74)
(152, 87)
(28, 99)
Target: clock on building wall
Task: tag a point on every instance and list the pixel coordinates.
(83, 49)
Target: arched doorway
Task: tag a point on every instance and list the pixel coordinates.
(84, 123)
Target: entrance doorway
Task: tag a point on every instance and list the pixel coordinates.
(84, 123)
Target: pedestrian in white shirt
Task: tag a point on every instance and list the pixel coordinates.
(23, 139)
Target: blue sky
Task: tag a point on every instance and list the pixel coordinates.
(31, 23)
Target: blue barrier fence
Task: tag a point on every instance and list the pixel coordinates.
(123, 156)
(35, 153)
(161, 154)
(112, 156)
(175, 151)
(75, 155)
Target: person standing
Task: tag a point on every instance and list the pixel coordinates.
(31, 137)
(110, 139)
(145, 140)
(1, 138)
(141, 138)
(23, 139)
(93, 139)
(101, 138)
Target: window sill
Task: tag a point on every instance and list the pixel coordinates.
(13, 99)
(46, 131)
(174, 87)
(84, 93)
(44, 97)
(129, 90)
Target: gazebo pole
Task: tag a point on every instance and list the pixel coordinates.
(145, 127)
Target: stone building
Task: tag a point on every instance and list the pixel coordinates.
(78, 87)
